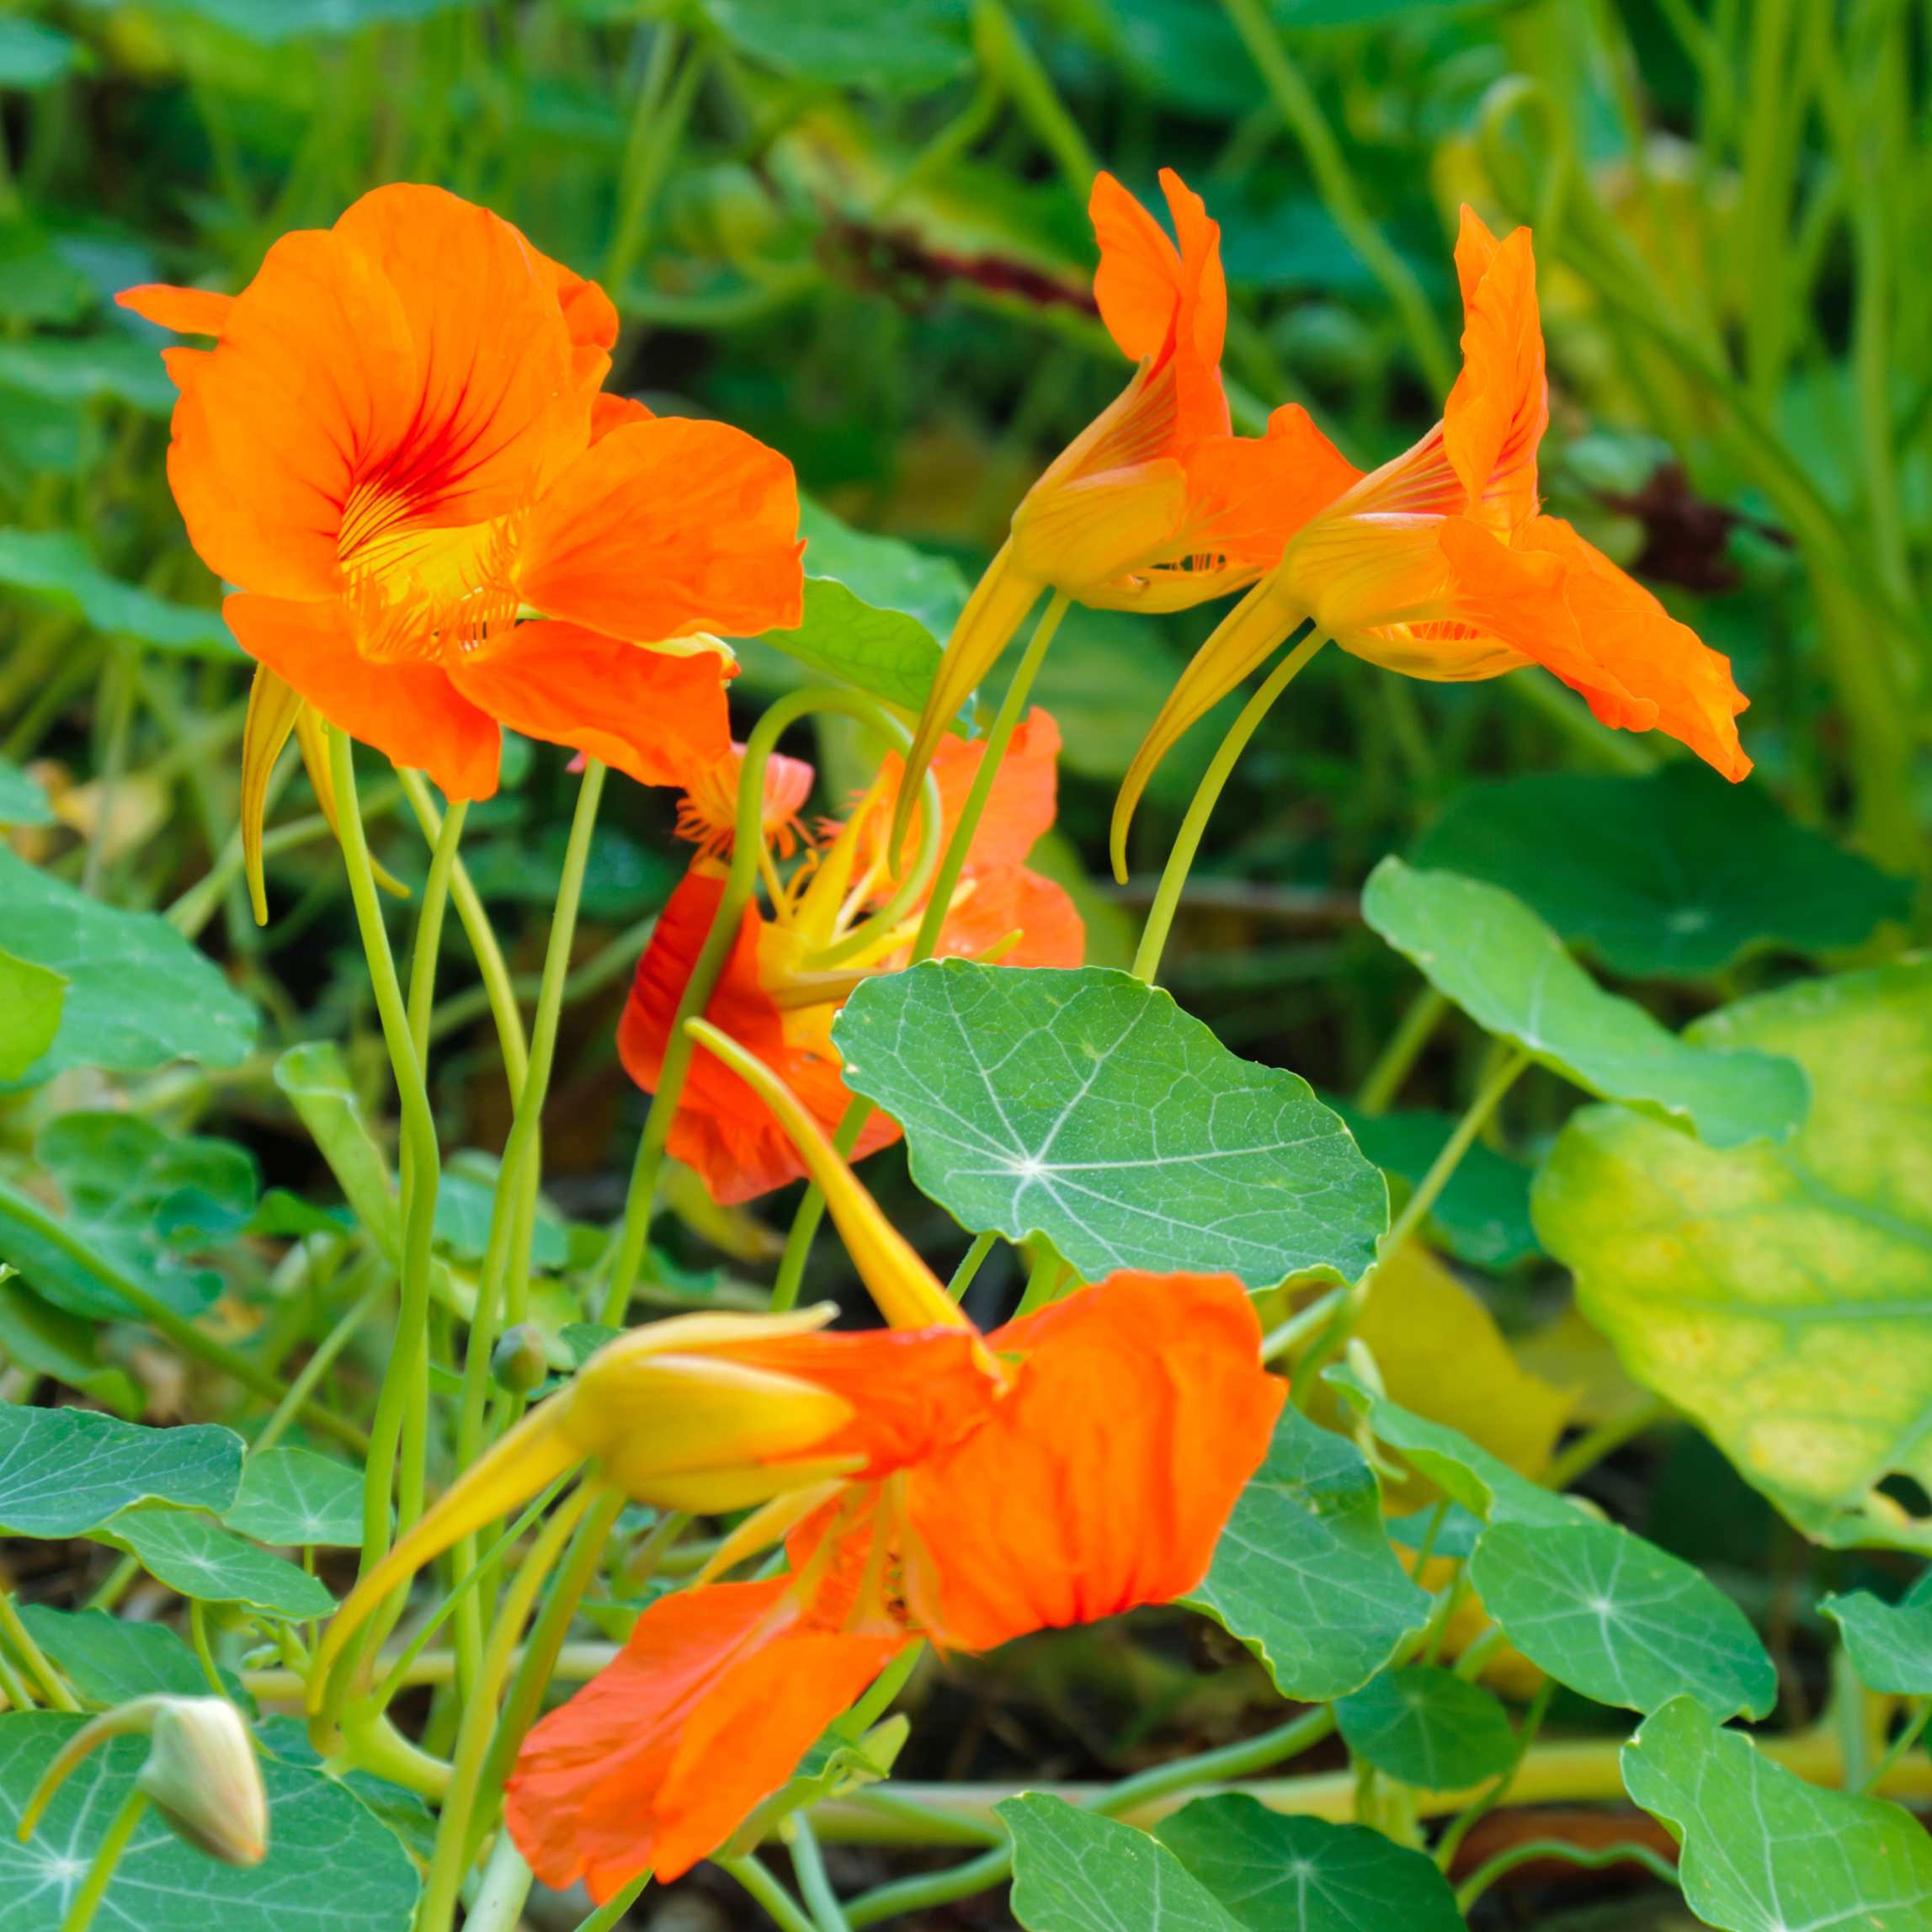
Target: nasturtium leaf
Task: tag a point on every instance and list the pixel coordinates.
(465, 1201)
(1303, 1573)
(314, 1078)
(295, 1497)
(1491, 955)
(109, 1659)
(138, 994)
(1429, 1728)
(332, 1865)
(1483, 1215)
(64, 1471)
(1483, 1484)
(56, 567)
(139, 1206)
(847, 43)
(34, 56)
(1890, 1645)
(45, 1339)
(1782, 1296)
(1418, 1316)
(1084, 1106)
(30, 999)
(876, 610)
(1672, 873)
(1619, 1619)
(22, 800)
(1765, 1851)
(194, 1554)
(1281, 1874)
(1075, 1872)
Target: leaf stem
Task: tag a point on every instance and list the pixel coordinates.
(759, 1880)
(107, 1857)
(51, 1684)
(814, 1884)
(1207, 794)
(1535, 1850)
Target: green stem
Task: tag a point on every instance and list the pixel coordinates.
(903, 1895)
(107, 1856)
(814, 1886)
(402, 1402)
(609, 1915)
(783, 1909)
(1042, 1280)
(1459, 1827)
(52, 1685)
(1534, 1850)
(428, 946)
(314, 1369)
(1909, 1734)
(1590, 1448)
(501, 1891)
(1402, 1049)
(970, 1264)
(1200, 808)
(791, 1276)
(204, 1647)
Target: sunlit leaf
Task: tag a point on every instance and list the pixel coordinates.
(1303, 1573)
(1429, 1728)
(1763, 1849)
(139, 1206)
(64, 1471)
(295, 1497)
(138, 994)
(1781, 1296)
(847, 43)
(109, 1659)
(1619, 1619)
(30, 999)
(330, 1867)
(1675, 872)
(193, 1554)
(1890, 1645)
(1085, 1106)
(1491, 955)
(54, 567)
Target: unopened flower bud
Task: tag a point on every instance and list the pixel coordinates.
(203, 1776)
(518, 1362)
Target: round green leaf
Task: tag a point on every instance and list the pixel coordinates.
(1491, 955)
(1782, 1296)
(1675, 872)
(138, 994)
(194, 1556)
(295, 1498)
(64, 1471)
(1086, 1107)
(1763, 1849)
(1279, 1874)
(31, 1000)
(1620, 1620)
(1429, 1728)
(1303, 1573)
(109, 1659)
(332, 1867)
(1890, 1645)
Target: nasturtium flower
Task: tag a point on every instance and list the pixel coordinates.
(1440, 564)
(1097, 1477)
(1155, 506)
(396, 449)
(790, 969)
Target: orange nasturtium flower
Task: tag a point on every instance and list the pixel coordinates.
(398, 451)
(1154, 506)
(1440, 564)
(1095, 1474)
(788, 973)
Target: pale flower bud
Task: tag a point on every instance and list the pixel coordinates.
(203, 1776)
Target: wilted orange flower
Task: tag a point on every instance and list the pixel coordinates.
(778, 994)
(397, 451)
(1154, 506)
(1440, 565)
(1099, 1479)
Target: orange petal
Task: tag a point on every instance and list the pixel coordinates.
(1500, 404)
(497, 408)
(998, 905)
(1020, 808)
(708, 813)
(707, 1710)
(1104, 1480)
(1200, 327)
(187, 312)
(608, 412)
(659, 716)
(1138, 284)
(314, 379)
(668, 526)
(409, 712)
(1248, 495)
(1659, 674)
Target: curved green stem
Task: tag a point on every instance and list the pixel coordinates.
(505, 1884)
(1536, 1850)
(107, 1857)
(51, 1684)
(814, 1884)
(779, 1903)
(1207, 794)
